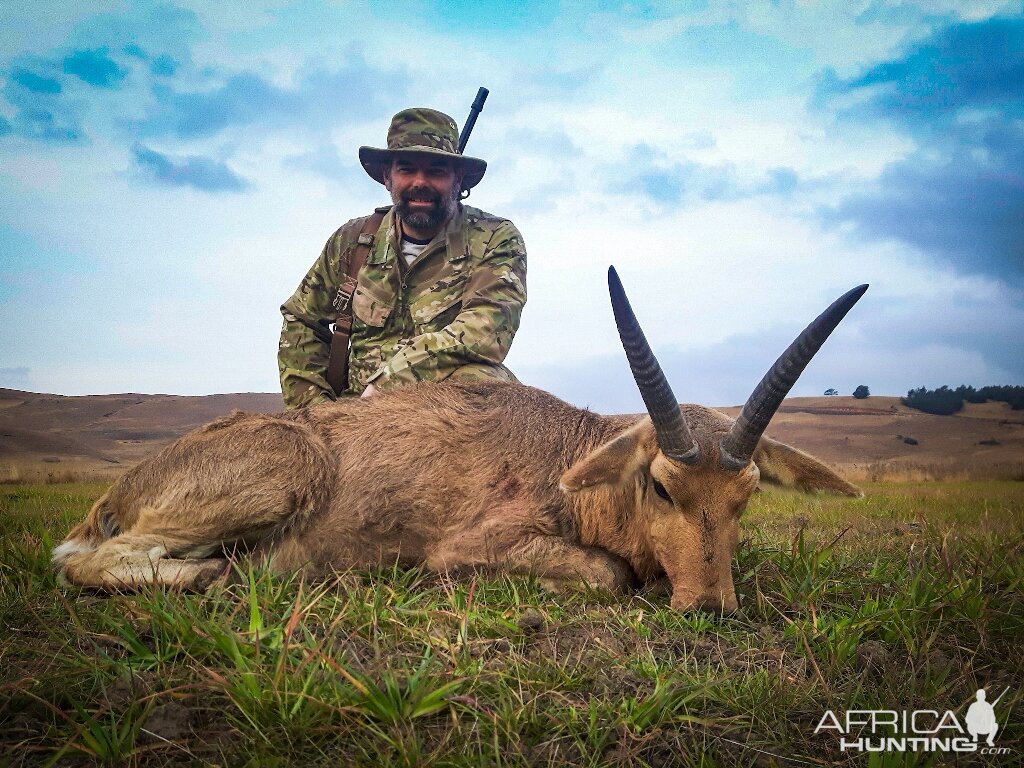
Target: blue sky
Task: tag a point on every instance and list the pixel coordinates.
(169, 171)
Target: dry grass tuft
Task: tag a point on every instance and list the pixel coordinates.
(969, 469)
(46, 473)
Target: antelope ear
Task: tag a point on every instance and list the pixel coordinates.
(782, 465)
(610, 463)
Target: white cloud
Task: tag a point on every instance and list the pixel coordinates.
(173, 290)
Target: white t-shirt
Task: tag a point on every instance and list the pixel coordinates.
(412, 248)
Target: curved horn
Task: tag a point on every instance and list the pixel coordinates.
(738, 446)
(674, 436)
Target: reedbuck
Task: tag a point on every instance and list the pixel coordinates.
(454, 475)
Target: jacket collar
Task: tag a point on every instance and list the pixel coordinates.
(452, 235)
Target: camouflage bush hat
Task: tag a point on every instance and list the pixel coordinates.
(422, 131)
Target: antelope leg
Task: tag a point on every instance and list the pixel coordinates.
(552, 558)
(556, 560)
(131, 561)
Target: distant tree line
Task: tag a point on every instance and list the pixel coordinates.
(860, 392)
(945, 401)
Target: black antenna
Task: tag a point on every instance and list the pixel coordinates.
(474, 111)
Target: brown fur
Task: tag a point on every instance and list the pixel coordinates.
(447, 475)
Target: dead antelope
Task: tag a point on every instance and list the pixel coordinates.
(453, 475)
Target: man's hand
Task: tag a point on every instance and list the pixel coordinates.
(370, 391)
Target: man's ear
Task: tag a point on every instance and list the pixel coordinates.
(782, 465)
(610, 463)
(386, 173)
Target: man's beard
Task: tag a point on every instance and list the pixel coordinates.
(429, 219)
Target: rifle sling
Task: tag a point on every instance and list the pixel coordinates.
(337, 365)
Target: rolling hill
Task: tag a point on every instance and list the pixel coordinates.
(58, 437)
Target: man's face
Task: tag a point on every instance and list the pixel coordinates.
(424, 189)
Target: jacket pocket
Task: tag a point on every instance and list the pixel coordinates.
(369, 308)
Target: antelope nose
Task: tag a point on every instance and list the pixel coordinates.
(717, 603)
(719, 606)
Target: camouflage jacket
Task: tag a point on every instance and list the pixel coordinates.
(453, 311)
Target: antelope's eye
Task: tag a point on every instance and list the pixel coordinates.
(660, 490)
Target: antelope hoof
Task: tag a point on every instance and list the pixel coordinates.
(195, 575)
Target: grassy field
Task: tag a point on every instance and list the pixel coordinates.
(912, 598)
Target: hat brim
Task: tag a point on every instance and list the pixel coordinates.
(374, 160)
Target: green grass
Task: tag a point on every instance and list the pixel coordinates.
(909, 599)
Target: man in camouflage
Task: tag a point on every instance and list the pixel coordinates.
(442, 289)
